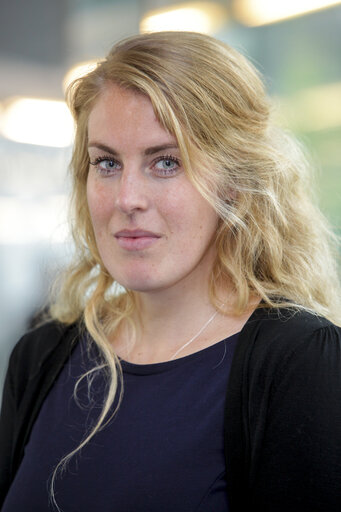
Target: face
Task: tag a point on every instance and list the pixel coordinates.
(153, 229)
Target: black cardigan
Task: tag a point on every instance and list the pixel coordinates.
(282, 416)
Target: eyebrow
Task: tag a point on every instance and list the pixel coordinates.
(148, 151)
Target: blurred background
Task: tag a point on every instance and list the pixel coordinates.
(296, 44)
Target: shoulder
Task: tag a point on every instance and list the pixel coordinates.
(274, 339)
(38, 346)
(283, 330)
(38, 343)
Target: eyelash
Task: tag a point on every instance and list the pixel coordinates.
(100, 159)
(172, 159)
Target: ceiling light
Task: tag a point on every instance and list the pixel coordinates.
(262, 12)
(37, 121)
(205, 17)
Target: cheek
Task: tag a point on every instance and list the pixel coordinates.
(191, 217)
(99, 200)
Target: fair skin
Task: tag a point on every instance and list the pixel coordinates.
(153, 229)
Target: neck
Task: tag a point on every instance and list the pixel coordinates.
(172, 313)
(166, 320)
(175, 325)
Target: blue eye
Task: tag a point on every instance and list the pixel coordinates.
(105, 165)
(167, 166)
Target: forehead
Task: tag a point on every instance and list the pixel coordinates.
(123, 115)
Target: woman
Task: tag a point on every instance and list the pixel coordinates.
(192, 362)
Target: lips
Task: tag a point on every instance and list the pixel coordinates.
(136, 240)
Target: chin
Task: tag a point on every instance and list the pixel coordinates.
(138, 284)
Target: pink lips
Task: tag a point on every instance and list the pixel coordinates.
(136, 239)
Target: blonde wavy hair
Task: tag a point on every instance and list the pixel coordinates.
(271, 242)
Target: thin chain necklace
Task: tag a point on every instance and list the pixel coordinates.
(196, 335)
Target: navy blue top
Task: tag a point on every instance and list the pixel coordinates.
(163, 450)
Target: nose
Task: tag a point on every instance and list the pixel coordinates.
(132, 193)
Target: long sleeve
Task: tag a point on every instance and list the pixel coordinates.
(34, 365)
(297, 447)
(7, 425)
(283, 415)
